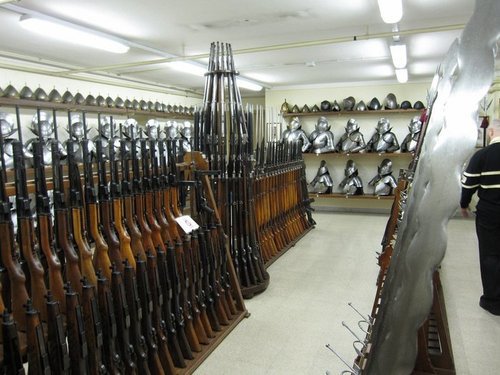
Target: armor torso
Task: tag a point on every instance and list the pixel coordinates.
(386, 142)
(353, 142)
(383, 184)
(410, 142)
(47, 151)
(298, 135)
(352, 185)
(323, 143)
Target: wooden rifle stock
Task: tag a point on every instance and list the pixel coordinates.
(77, 339)
(38, 360)
(110, 235)
(100, 259)
(133, 228)
(57, 347)
(123, 237)
(86, 264)
(12, 360)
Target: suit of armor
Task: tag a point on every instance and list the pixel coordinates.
(384, 182)
(351, 184)
(46, 128)
(410, 142)
(323, 182)
(322, 138)
(295, 133)
(383, 140)
(352, 140)
(77, 133)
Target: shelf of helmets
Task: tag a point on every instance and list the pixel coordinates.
(367, 162)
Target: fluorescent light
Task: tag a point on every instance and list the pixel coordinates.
(246, 84)
(391, 11)
(398, 53)
(66, 32)
(402, 75)
(186, 67)
(7, 1)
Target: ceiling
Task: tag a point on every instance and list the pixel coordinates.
(278, 43)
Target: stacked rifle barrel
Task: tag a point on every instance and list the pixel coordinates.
(102, 278)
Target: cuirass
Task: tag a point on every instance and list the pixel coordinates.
(382, 143)
(8, 154)
(326, 179)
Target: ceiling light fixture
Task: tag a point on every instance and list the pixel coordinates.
(246, 84)
(391, 11)
(402, 75)
(71, 33)
(398, 54)
(8, 1)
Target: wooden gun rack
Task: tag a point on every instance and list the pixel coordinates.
(434, 354)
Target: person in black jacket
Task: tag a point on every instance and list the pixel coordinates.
(483, 175)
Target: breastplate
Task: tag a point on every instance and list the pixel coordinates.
(382, 143)
(382, 188)
(8, 155)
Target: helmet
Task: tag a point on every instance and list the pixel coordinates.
(325, 106)
(143, 105)
(322, 124)
(415, 125)
(119, 103)
(361, 106)
(171, 129)
(405, 104)
(90, 100)
(152, 128)
(106, 127)
(158, 107)
(136, 105)
(295, 123)
(186, 129)
(6, 124)
(285, 108)
(385, 167)
(315, 108)
(350, 168)
(54, 96)
(349, 103)
(79, 99)
(151, 105)
(130, 128)
(26, 93)
(10, 92)
(100, 101)
(335, 106)
(374, 104)
(390, 101)
(110, 102)
(67, 97)
(295, 109)
(352, 126)
(383, 126)
(128, 104)
(75, 128)
(46, 125)
(418, 105)
(305, 109)
(41, 95)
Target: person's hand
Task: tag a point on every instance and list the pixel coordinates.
(465, 212)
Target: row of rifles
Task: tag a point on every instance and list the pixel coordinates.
(258, 198)
(102, 279)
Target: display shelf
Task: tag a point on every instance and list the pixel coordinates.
(25, 103)
(346, 196)
(360, 154)
(353, 113)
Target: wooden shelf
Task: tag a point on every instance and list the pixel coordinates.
(361, 154)
(345, 196)
(25, 103)
(355, 113)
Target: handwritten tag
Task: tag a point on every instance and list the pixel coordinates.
(187, 223)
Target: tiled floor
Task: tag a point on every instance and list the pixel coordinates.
(306, 302)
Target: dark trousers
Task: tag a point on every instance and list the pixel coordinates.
(488, 234)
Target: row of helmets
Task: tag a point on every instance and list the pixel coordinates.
(352, 184)
(349, 104)
(90, 100)
(108, 131)
(321, 140)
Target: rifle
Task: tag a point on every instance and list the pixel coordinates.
(12, 360)
(12, 271)
(128, 205)
(112, 359)
(150, 333)
(57, 347)
(44, 227)
(108, 230)
(136, 316)
(157, 321)
(93, 328)
(137, 191)
(122, 315)
(77, 338)
(26, 234)
(123, 237)
(100, 259)
(63, 238)
(78, 223)
(38, 360)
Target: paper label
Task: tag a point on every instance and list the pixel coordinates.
(187, 223)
